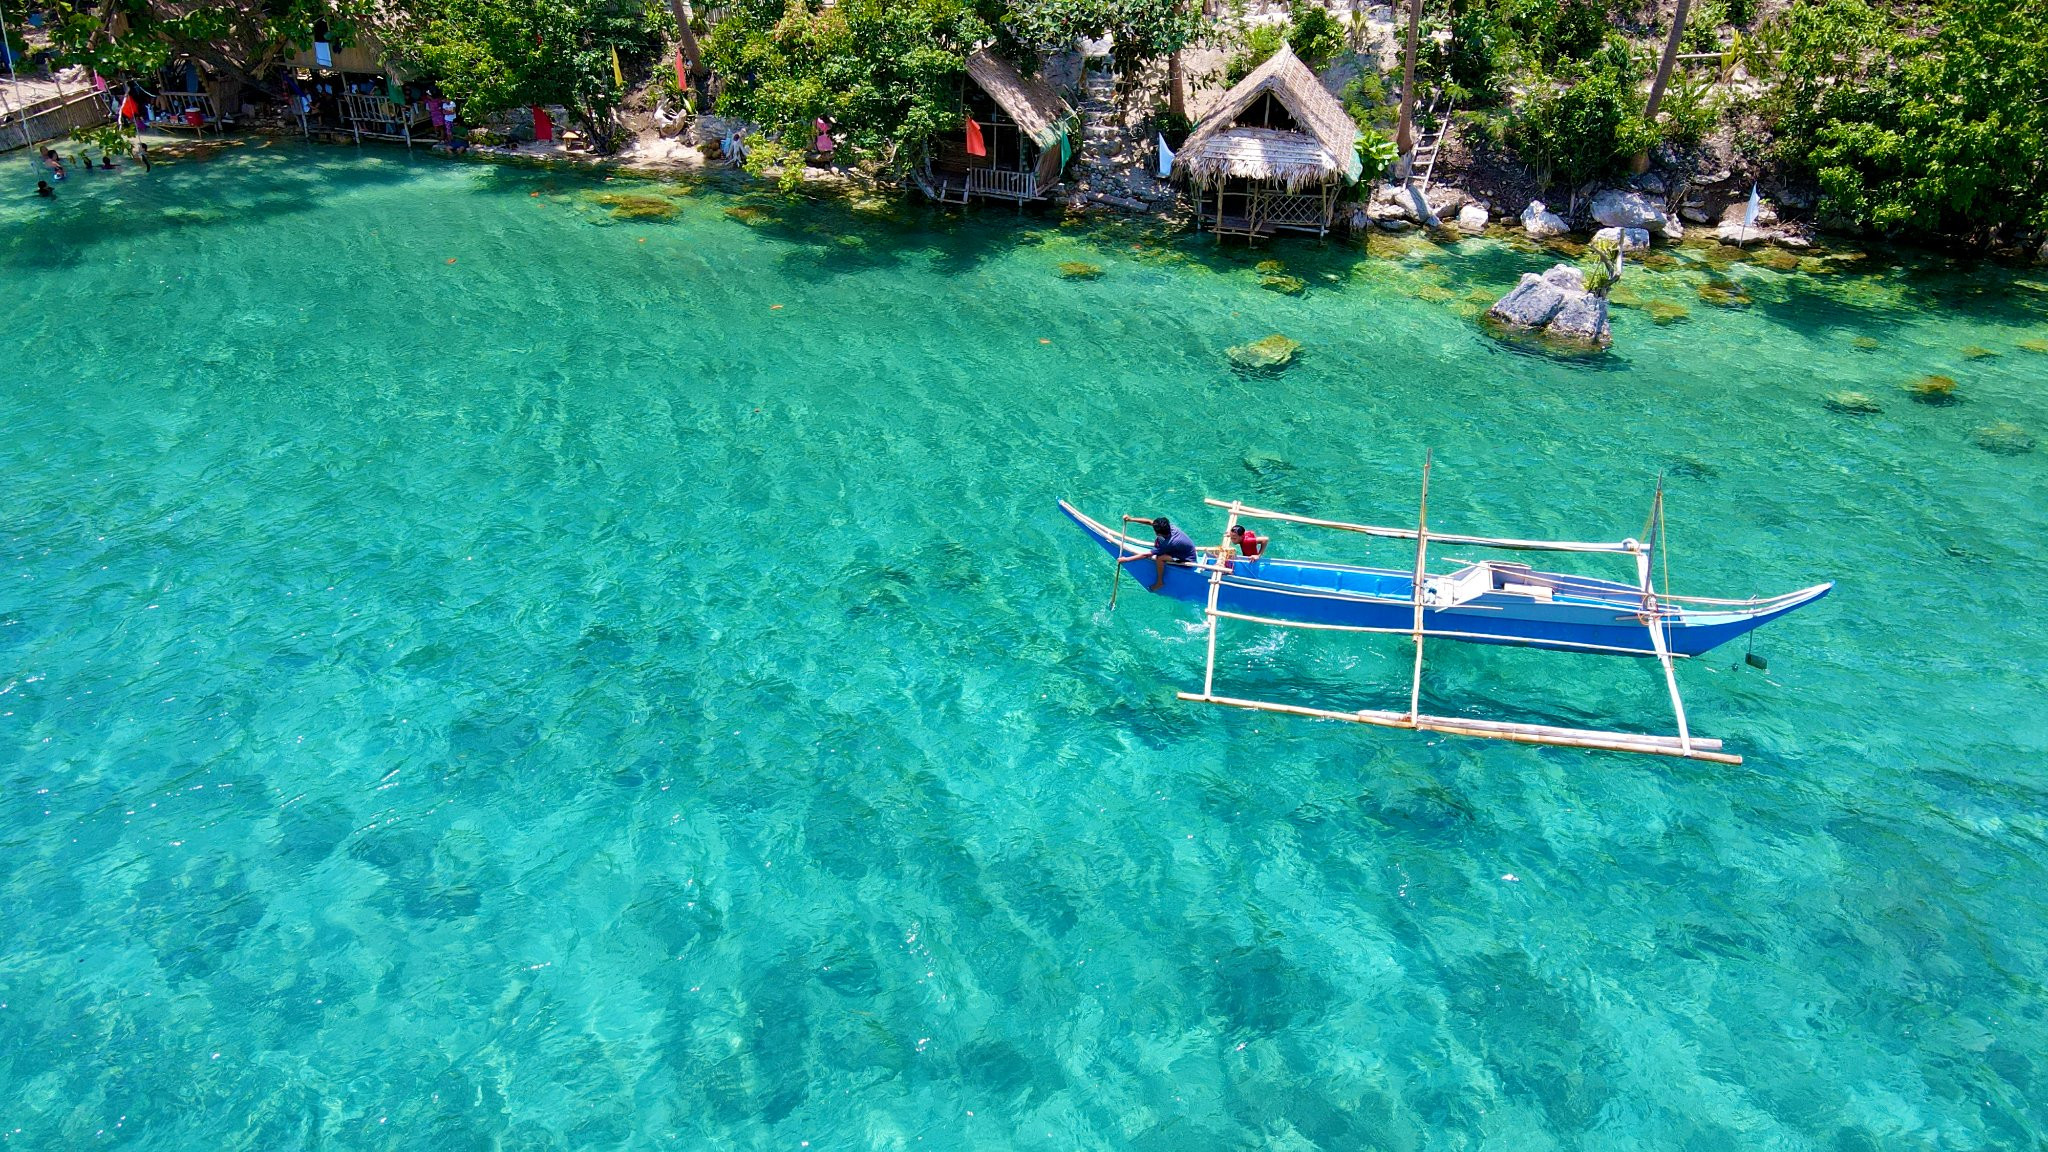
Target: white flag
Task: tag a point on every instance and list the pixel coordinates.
(1749, 217)
(1165, 158)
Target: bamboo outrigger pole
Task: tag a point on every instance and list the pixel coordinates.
(1653, 613)
(1421, 554)
(1215, 588)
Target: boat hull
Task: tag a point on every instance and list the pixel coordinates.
(1598, 618)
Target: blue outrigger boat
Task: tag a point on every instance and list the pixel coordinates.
(1484, 602)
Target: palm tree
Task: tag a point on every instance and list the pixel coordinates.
(1664, 65)
(1404, 138)
(691, 52)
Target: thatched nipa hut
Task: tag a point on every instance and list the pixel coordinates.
(1013, 141)
(1272, 154)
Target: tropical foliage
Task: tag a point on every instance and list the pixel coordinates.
(493, 55)
(884, 73)
(1921, 133)
(240, 38)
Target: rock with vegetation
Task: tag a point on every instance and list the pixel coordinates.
(1283, 284)
(1558, 304)
(1723, 293)
(1852, 403)
(1935, 390)
(1080, 270)
(630, 206)
(1269, 354)
(1540, 223)
(2004, 439)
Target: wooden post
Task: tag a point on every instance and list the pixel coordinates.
(1421, 553)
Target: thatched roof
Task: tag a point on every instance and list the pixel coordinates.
(1325, 149)
(1031, 102)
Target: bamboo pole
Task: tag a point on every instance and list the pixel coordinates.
(1421, 554)
(1446, 634)
(1492, 730)
(1116, 569)
(1215, 620)
(1654, 619)
(1440, 537)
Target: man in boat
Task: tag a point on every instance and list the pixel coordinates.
(1246, 543)
(1168, 543)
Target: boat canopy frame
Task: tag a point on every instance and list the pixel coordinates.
(1654, 611)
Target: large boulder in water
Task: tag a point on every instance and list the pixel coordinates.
(1541, 223)
(1621, 208)
(1472, 219)
(1558, 304)
(1583, 319)
(1531, 304)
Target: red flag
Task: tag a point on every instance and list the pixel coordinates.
(129, 108)
(543, 126)
(682, 75)
(975, 145)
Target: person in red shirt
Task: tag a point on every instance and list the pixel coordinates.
(1248, 543)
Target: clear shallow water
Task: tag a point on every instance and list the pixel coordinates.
(558, 698)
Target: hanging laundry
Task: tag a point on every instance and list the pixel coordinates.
(1165, 158)
(543, 125)
(976, 146)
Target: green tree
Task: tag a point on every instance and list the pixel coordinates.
(244, 39)
(495, 55)
(1142, 30)
(1586, 124)
(1938, 133)
(886, 73)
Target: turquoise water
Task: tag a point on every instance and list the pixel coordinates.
(478, 673)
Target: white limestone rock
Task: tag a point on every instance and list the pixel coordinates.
(1472, 219)
(1541, 223)
(1569, 277)
(1629, 239)
(1621, 208)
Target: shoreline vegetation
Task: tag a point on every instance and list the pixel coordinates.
(1860, 120)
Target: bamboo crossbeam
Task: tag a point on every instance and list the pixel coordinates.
(1439, 537)
(1708, 750)
(1439, 634)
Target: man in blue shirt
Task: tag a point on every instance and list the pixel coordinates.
(1168, 543)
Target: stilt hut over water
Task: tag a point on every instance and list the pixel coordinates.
(1012, 143)
(357, 91)
(1273, 154)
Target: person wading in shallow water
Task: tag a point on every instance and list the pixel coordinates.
(1168, 543)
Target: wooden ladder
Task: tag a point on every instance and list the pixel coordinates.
(1432, 142)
